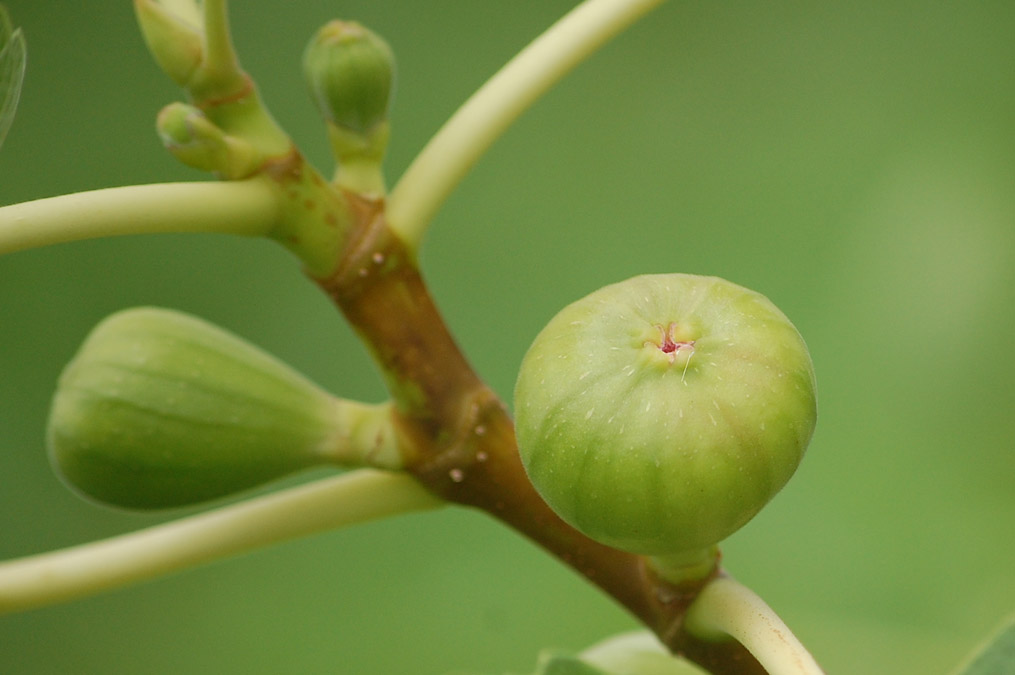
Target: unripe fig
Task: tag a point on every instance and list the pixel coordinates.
(659, 414)
(160, 409)
(351, 74)
(350, 71)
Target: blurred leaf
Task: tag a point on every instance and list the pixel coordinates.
(554, 662)
(12, 70)
(636, 653)
(561, 663)
(997, 655)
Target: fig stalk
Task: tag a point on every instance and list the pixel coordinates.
(458, 145)
(462, 440)
(338, 501)
(249, 208)
(726, 609)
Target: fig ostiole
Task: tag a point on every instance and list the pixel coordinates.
(160, 409)
(659, 414)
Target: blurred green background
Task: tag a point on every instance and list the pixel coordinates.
(853, 161)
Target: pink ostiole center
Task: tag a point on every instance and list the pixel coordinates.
(670, 346)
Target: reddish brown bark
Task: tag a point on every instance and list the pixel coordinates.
(461, 439)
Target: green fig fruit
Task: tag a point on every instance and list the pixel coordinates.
(160, 409)
(350, 71)
(351, 74)
(660, 414)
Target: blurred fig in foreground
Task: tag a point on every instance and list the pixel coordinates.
(160, 409)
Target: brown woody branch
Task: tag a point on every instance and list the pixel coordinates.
(461, 438)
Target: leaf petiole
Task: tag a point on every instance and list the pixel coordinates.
(247, 207)
(356, 497)
(727, 609)
(463, 139)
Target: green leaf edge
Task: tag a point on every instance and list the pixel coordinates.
(554, 662)
(13, 56)
(633, 653)
(996, 655)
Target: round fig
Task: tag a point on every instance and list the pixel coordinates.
(660, 414)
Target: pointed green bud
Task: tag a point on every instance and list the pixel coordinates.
(174, 32)
(160, 409)
(350, 72)
(197, 142)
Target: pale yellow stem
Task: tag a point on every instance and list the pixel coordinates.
(219, 56)
(247, 207)
(352, 498)
(727, 609)
(450, 154)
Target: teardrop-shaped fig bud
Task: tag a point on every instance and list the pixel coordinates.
(160, 409)
(659, 414)
(350, 72)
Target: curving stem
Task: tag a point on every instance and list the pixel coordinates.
(238, 207)
(220, 57)
(481, 120)
(356, 497)
(460, 438)
(727, 609)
